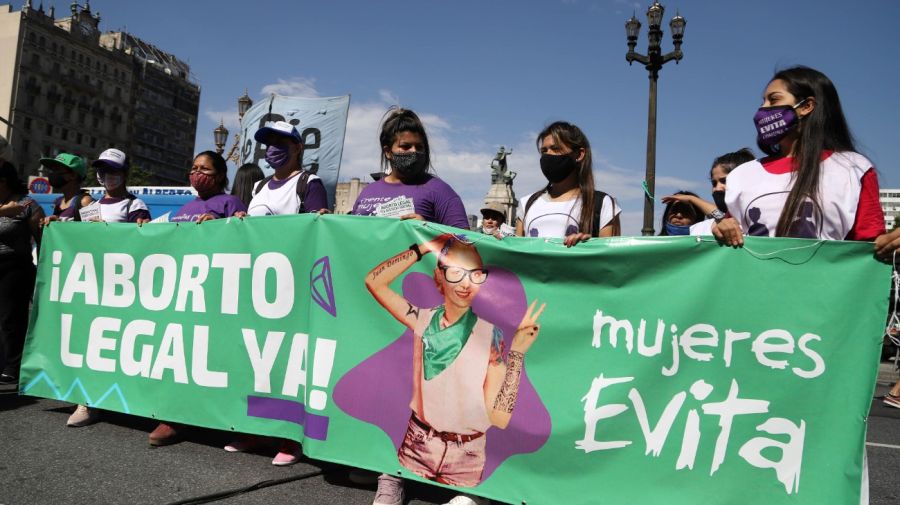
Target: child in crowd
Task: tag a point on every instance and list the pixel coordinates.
(569, 206)
(116, 206)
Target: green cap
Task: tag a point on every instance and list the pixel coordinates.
(66, 160)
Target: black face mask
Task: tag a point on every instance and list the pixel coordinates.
(409, 165)
(719, 198)
(557, 167)
(57, 180)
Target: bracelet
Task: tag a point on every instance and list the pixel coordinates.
(718, 215)
(415, 248)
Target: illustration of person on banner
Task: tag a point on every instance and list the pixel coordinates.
(461, 384)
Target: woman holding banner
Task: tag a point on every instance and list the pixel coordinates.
(813, 184)
(568, 206)
(208, 178)
(407, 190)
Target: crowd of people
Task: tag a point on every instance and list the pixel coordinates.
(811, 183)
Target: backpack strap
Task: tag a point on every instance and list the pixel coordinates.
(131, 199)
(302, 187)
(531, 199)
(261, 183)
(598, 206)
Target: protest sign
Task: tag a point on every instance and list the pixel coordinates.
(664, 369)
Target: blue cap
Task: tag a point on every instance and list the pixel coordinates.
(277, 129)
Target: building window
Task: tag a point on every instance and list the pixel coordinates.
(26, 146)
(93, 142)
(27, 124)
(42, 42)
(65, 134)
(79, 138)
(49, 131)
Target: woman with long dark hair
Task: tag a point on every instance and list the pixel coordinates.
(569, 206)
(406, 163)
(245, 180)
(813, 184)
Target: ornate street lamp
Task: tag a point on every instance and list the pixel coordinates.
(653, 62)
(220, 134)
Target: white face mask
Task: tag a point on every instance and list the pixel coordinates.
(111, 181)
(489, 229)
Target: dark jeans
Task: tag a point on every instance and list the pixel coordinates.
(16, 288)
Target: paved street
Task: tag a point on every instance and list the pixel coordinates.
(43, 462)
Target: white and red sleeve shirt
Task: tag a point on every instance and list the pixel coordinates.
(848, 194)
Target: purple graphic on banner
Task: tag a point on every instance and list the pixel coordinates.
(321, 287)
(378, 390)
(314, 425)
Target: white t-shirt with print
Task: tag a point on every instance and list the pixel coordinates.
(559, 219)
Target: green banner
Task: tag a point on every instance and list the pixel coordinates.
(620, 371)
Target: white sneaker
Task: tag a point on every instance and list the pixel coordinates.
(390, 491)
(465, 499)
(83, 416)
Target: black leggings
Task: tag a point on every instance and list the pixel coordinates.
(16, 288)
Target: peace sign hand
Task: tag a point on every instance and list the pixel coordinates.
(528, 329)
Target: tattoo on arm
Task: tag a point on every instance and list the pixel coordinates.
(412, 310)
(391, 262)
(509, 391)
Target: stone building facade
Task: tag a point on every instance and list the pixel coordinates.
(65, 86)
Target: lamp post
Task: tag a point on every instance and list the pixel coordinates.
(220, 134)
(653, 62)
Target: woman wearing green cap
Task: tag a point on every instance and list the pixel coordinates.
(67, 171)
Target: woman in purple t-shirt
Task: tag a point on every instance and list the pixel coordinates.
(405, 159)
(209, 177)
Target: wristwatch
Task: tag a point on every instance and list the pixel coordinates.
(717, 214)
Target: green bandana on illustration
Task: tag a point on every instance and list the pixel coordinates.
(443, 346)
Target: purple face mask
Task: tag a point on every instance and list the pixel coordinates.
(774, 123)
(277, 156)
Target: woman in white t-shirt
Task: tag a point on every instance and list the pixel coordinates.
(569, 206)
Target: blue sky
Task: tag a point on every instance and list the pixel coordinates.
(489, 73)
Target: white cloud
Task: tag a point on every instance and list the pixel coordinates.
(228, 117)
(295, 86)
